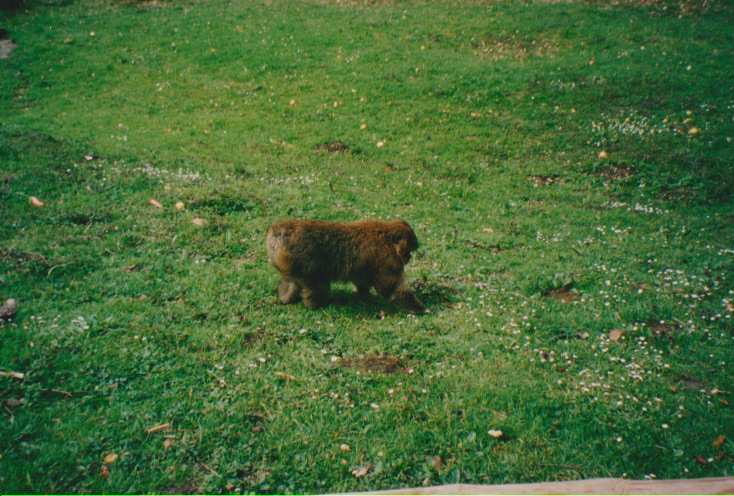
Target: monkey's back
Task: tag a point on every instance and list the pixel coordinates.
(314, 249)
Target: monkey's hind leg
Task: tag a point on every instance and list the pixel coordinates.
(289, 291)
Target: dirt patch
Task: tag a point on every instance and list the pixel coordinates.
(563, 295)
(676, 193)
(332, 147)
(495, 48)
(544, 180)
(617, 172)
(188, 488)
(381, 364)
(690, 383)
(663, 329)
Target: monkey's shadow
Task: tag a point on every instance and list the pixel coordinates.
(345, 297)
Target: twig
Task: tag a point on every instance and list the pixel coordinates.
(56, 267)
(158, 428)
(213, 472)
(57, 391)
(10, 373)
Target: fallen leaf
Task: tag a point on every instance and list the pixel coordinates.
(693, 130)
(285, 376)
(155, 203)
(345, 447)
(292, 102)
(198, 221)
(104, 472)
(603, 154)
(180, 205)
(701, 460)
(362, 470)
(36, 202)
(437, 462)
(229, 486)
(109, 459)
(495, 433)
(719, 441)
(615, 334)
(158, 428)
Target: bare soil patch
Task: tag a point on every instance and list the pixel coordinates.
(544, 180)
(617, 172)
(333, 146)
(381, 364)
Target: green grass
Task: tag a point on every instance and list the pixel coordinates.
(481, 124)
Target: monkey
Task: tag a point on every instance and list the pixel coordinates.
(310, 254)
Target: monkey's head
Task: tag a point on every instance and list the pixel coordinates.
(403, 239)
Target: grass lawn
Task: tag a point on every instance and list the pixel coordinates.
(567, 167)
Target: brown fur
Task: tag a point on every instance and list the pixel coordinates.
(309, 254)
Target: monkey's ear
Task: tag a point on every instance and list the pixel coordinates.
(400, 242)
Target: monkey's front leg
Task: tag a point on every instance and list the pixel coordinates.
(315, 294)
(289, 291)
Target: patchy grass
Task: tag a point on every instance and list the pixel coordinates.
(580, 302)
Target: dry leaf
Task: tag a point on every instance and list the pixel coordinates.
(198, 221)
(229, 486)
(719, 441)
(615, 334)
(167, 443)
(158, 428)
(36, 202)
(693, 130)
(345, 447)
(603, 154)
(104, 471)
(437, 462)
(361, 471)
(701, 460)
(155, 203)
(109, 459)
(495, 433)
(285, 376)
(180, 205)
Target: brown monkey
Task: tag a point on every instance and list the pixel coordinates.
(309, 254)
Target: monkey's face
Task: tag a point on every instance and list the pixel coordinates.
(404, 240)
